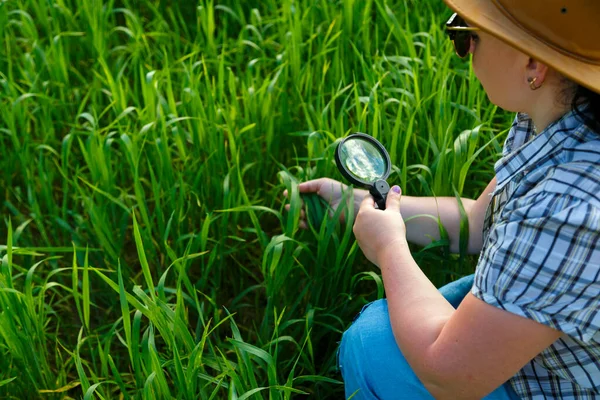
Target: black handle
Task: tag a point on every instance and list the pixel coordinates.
(379, 191)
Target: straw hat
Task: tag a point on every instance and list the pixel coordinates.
(564, 34)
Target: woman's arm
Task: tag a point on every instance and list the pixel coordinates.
(420, 230)
(457, 354)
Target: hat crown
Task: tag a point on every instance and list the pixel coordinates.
(571, 27)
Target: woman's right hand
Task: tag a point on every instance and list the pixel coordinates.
(332, 192)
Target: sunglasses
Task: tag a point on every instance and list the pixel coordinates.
(460, 34)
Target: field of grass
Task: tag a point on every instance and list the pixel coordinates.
(144, 149)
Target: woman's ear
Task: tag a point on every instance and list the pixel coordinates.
(536, 73)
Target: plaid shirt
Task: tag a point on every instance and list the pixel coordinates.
(541, 253)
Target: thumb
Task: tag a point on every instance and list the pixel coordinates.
(393, 199)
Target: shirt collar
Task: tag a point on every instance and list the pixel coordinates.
(526, 149)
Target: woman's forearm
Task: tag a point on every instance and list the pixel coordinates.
(421, 217)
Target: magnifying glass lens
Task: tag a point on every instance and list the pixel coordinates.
(363, 160)
(366, 163)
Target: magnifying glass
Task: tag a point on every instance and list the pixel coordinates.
(365, 163)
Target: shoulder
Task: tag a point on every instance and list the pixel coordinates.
(565, 164)
(572, 172)
(574, 181)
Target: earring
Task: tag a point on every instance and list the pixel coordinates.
(532, 83)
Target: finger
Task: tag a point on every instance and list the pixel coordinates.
(286, 192)
(302, 225)
(313, 186)
(367, 203)
(393, 199)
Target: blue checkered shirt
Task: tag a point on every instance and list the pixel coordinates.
(541, 252)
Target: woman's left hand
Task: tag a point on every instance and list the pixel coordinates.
(380, 230)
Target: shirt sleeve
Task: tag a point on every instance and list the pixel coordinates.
(542, 261)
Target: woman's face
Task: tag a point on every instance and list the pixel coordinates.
(501, 70)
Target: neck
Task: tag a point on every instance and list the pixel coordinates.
(546, 107)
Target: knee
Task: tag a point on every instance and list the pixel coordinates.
(370, 326)
(370, 361)
(370, 330)
(362, 344)
(456, 291)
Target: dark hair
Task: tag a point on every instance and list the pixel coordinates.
(590, 115)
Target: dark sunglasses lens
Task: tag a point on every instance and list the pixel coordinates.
(458, 21)
(462, 43)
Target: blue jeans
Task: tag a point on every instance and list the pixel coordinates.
(373, 366)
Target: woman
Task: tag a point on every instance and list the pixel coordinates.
(528, 326)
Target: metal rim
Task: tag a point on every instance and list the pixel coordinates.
(346, 173)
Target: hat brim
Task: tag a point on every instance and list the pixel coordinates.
(487, 17)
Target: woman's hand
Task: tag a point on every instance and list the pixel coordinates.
(377, 231)
(331, 191)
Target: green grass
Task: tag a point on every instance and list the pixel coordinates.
(144, 149)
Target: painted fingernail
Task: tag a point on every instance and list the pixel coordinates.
(396, 189)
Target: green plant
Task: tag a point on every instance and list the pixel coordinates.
(144, 149)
